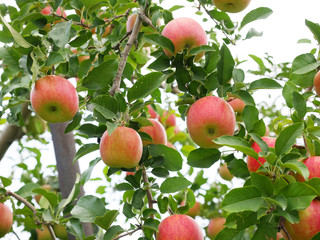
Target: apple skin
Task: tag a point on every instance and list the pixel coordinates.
(179, 226)
(313, 164)
(36, 126)
(48, 10)
(215, 226)
(309, 223)
(231, 6)
(225, 173)
(168, 119)
(236, 104)
(152, 112)
(60, 232)
(316, 83)
(185, 33)
(169, 144)
(157, 132)
(208, 118)
(194, 211)
(123, 148)
(6, 219)
(43, 234)
(54, 99)
(131, 21)
(253, 164)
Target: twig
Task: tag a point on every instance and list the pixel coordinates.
(147, 184)
(282, 226)
(128, 233)
(121, 40)
(147, 20)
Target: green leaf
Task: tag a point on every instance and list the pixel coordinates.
(60, 33)
(82, 39)
(160, 64)
(137, 199)
(145, 85)
(259, 13)
(314, 28)
(50, 196)
(225, 65)
(151, 224)
(263, 183)
(160, 40)
(203, 158)
(85, 149)
(112, 232)
(247, 198)
(241, 220)
(288, 137)
(163, 203)
(54, 58)
(262, 144)
(298, 167)
(250, 116)
(74, 123)
(174, 184)
(308, 68)
(287, 91)
(88, 208)
(27, 190)
(107, 219)
(299, 104)
(160, 172)
(237, 143)
(85, 176)
(105, 112)
(230, 234)
(202, 48)
(301, 62)
(5, 181)
(264, 83)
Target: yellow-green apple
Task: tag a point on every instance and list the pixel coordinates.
(313, 164)
(208, 118)
(194, 211)
(232, 6)
(215, 226)
(168, 119)
(36, 126)
(54, 99)
(225, 173)
(123, 148)
(253, 164)
(308, 225)
(43, 233)
(47, 187)
(152, 112)
(157, 132)
(60, 232)
(6, 219)
(236, 104)
(184, 33)
(316, 83)
(179, 226)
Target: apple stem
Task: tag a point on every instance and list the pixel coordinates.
(282, 226)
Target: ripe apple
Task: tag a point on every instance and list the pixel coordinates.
(309, 223)
(36, 126)
(43, 233)
(316, 83)
(194, 211)
(208, 118)
(60, 232)
(82, 57)
(236, 104)
(156, 132)
(179, 226)
(131, 21)
(169, 144)
(225, 173)
(168, 119)
(152, 112)
(313, 164)
(54, 99)
(6, 219)
(48, 11)
(38, 197)
(184, 33)
(253, 164)
(130, 173)
(215, 226)
(123, 148)
(231, 6)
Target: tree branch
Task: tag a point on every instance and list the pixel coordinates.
(147, 186)
(128, 233)
(282, 226)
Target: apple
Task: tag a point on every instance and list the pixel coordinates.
(236, 104)
(184, 33)
(6, 219)
(194, 211)
(48, 10)
(123, 148)
(316, 83)
(169, 144)
(308, 225)
(157, 132)
(215, 226)
(131, 21)
(38, 197)
(231, 6)
(43, 233)
(313, 164)
(168, 119)
(225, 173)
(81, 58)
(179, 226)
(253, 164)
(60, 232)
(36, 126)
(208, 118)
(279, 236)
(130, 173)
(152, 112)
(54, 99)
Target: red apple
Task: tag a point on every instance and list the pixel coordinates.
(123, 148)
(225, 173)
(309, 223)
(131, 21)
(236, 104)
(169, 144)
(152, 112)
(232, 6)
(54, 99)
(194, 211)
(179, 227)
(316, 83)
(215, 226)
(313, 164)
(156, 132)
(168, 119)
(130, 173)
(48, 10)
(6, 219)
(185, 33)
(208, 118)
(253, 164)
(43, 234)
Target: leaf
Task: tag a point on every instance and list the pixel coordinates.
(287, 91)
(299, 104)
(105, 112)
(160, 40)
(75, 122)
(237, 143)
(85, 176)
(230, 234)
(314, 28)
(288, 137)
(174, 184)
(50, 196)
(250, 116)
(160, 64)
(298, 167)
(203, 158)
(242, 220)
(112, 232)
(225, 65)
(5, 181)
(308, 68)
(262, 144)
(248, 198)
(85, 149)
(202, 48)
(263, 183)
(145, 85)
(54, 58)
(107, 219)
(256, 14)
(27, 190)
(264, 83)
(300, 62)
(137, 198)
(60, 33)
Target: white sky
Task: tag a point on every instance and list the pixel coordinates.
(281, 31)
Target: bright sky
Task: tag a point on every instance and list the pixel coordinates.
(282, 30)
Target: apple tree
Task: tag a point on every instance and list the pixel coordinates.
(159, 102)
